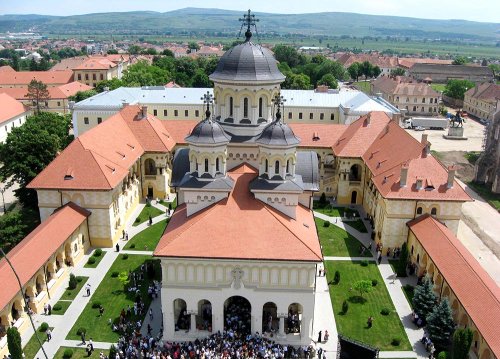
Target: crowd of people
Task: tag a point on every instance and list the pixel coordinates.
(237, 316)
(229, 344)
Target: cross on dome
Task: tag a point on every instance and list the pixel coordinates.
(248, 20)
(279, 102)
(208, 99)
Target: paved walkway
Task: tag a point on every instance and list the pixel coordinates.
(393, 284)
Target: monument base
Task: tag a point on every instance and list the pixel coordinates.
(455, 133)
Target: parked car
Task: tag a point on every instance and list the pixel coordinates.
(419, 128)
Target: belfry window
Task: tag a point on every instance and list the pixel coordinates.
(260, 107)
(231, 106)
(245, 107)
(217, 165)
(206, 164)
(288, 167)
(266, 167)
(277, 167)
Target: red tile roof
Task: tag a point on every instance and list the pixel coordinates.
(276, 237)
(55, 93)
(10, 108)
(486, 92)
(95, 63)
(376, 60)
(25, 77)
(475, 289)
(360, 134)
(33, 251)
(101, 157)
(6, 68)
(317, 135)
(179, 129)
(399, 86)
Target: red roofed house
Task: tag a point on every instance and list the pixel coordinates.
(473, 295)
(41, 261)
(21, 79)
(12, 114)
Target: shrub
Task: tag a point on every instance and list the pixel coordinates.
(114, 274)
(137, 220)
(57, 307)
(396, 341)
(112, 351)
(385, 311)
(96, 304)
(374, 282)
(43, 327)
(79, 279)
(81, 331)
(132, 245)
(322, 198)
(72, 281)
(91, 260)
(14, 343)
(336, 277)
(98, 252)
(345, 307)
(68, 353)
(364, 263)
(444, 355)
(326, 224)
(125, 256)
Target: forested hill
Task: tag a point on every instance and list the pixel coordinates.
(216, 22)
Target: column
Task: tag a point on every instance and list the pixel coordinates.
(217, 318)
(193, 322)
(281, 332)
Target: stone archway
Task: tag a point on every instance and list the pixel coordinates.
(294, 320)
(4, 325)
(486, 354)
(59, 261)
(16, 310)
(464, 321)
(270, 321)
(182, 320)
(39, 284)
(204, 316)
(238, 315)
(68, 254)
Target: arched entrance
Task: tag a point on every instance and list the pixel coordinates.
(270, 321)
(355, 173)
(68, 255)
(486, 354)
(204, 317)
(59, 261)
(354, 197)
(16, 310)
(182, 319)
(149, 167)
(40, 285)
(4, 325)
(238, 315)
(294, 320)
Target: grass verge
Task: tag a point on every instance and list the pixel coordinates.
(114, 296)
(409, 291)
(148, 238)
(145, 213)
(32, 346)
(485, 192)
(64, 304)
(80, 353)
(70, 294)
(94, 260)
(353, 323)
(363, 86)
(336, 242)
(357, 225)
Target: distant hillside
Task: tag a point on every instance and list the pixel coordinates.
(225, 23)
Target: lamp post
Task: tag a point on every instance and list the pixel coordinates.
(2, 190)
(23, 294)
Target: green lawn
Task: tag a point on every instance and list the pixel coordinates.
(32, 346)
(485, 192)
(174, 203)
(336, 242)
(148, 238)
(70, 294)
(438, 87)
(331, 211)
(363, 86)
(97, 260)
(409, 291)
(145, 213)
(114, 297)
(64, 307)
(353, 323)
(79, 353)
(357, 225)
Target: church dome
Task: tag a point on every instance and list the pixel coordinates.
(278, 133)
(208, 132)
(247, 62)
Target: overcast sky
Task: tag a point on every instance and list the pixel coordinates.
(478, 10)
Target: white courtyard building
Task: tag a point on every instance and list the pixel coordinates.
(241, 251)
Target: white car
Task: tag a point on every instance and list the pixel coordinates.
(419, 128)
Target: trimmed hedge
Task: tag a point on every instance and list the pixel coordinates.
(68, 353)
(43, 327)
(97, 252)
(91, 260)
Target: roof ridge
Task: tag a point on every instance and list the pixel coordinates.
(271, 211)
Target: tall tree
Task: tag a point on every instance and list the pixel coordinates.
(30, 148)
(14, 343)
(366, 69)
(403, 261)
(440, 325)
(37, 94)
(329, 80)
(354, 71)
(398, 71)
(457, 88)
(376, 71)
(462, 340)
(12, 230)
(82, 95)
(460, 60)
(424, 298)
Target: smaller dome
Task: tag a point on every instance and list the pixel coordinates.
(278, 133)
(208, 132)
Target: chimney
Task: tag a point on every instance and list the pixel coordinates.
(124, 104)
(322, 89)
(144, 111)
(404, 175)
(420, 182)
(368, 119)
(451, 176)
(424, 138)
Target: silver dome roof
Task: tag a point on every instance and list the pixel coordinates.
(277, 133)
(208, 132)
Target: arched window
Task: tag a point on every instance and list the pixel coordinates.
(217, 164)
(277, 167)
(419, 210)
(433, 211)
(149, 167)
(206, 164)
(260, 107)
(267, 166)
(245, 107)
(288, 167)
(231, 106)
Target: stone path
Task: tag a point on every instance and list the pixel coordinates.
(394, 287)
